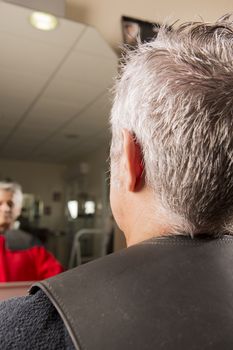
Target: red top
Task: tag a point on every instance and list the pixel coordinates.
(31, 264)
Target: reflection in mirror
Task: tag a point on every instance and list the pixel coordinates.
(54, 136)
(22, 255)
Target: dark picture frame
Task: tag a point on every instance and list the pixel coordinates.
(135, 29)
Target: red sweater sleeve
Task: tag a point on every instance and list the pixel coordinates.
(46, 264)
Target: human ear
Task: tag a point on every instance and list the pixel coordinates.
(133, 162)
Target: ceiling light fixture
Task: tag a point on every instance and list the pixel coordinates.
(43, 21)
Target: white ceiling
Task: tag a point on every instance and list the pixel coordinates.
(54, 86)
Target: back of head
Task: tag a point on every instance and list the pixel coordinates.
(175, 96)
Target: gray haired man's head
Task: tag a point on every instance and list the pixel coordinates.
(15, 189)
(175, 94)
(11, 198)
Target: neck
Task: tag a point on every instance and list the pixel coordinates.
(148, 220)
(4, 228)
(138, 237)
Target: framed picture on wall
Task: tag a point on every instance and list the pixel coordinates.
(134, 29)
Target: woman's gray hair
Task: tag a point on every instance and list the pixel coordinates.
(16, 189)
(175, 94)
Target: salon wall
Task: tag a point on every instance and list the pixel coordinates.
(105, 15)
(96, 178)
(98, 168)
(98, 181)
(42, 180)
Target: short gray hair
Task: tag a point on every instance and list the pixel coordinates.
(175, 94)
(16, 189)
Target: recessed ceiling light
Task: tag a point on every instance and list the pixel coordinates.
(43, 21)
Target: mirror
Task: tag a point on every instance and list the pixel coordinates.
(54, 135)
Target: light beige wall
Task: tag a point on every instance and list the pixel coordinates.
(40, 179)
(98, 173)
(98, 167)
(98, 181)
(105, 15)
